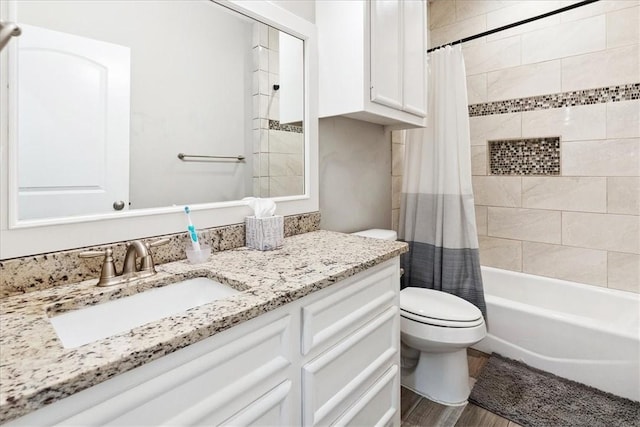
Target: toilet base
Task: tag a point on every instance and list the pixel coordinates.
(441, 377)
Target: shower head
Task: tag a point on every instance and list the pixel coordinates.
(8, 30)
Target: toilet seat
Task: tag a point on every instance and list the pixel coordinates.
(437, 308)
(440, 322)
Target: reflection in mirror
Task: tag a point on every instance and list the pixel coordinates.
(110, 92)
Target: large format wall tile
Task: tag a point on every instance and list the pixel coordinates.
(524, 224)
(395, 220)
(497, 190)
(597, 8)
(282, 164)
(605, 68)
(526, 80)
(615, 157)
(397, 159)
(492, 56)
(500, 253)
(566, 39)
(477, 88)
(619, 233)
(562, 262)
(441, 13)
(457, 30)
(481, 220)
(623, 119)
(623, 27)
(519, 11)
(396, 191)
(497, 126)
(478, 160)
(468, 8)
(623, 195)
(286, 185)
(585, 194)
(585, 122)
(624, 271)
(285, 142)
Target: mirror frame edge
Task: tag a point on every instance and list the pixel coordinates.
(38, 237)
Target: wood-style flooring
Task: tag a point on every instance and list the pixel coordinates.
(419, 411)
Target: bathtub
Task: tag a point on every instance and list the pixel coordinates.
(581, 332)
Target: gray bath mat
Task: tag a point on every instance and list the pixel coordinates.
(534, 398)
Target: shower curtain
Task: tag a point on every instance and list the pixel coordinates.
(437, 216)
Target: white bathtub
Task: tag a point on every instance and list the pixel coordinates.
(581, 332)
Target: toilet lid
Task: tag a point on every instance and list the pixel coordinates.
(438, 305)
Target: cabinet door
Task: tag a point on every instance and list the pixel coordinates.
(414, 93)
(272, 409)
(240, 379)
(386, 53)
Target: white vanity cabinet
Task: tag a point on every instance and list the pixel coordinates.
(331, 357)
(243, 376)
(372, 60)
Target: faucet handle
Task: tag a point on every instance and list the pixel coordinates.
(108, 272)
(158, 242)
(92, 254)
(147, 263)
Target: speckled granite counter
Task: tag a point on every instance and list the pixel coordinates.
(36, 370)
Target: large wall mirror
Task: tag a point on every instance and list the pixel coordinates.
(120, 111)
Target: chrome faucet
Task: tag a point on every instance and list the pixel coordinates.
(131, 269)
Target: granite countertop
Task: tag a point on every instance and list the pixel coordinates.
(36, 370)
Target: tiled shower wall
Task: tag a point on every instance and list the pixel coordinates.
(560, 76)
(278, 151)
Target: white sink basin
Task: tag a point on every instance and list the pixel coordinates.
(79, 327)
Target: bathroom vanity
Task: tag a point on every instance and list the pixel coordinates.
(312, 338)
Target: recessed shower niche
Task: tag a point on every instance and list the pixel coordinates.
(527, 156)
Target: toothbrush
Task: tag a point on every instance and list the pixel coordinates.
(192, 231)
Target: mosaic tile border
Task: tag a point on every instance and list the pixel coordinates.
(601, 95)
(529, 156)
(275, 125)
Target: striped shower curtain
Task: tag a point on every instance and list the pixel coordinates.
(437, 216)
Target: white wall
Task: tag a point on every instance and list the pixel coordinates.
(177, 78)
(355, 164)
(355, 167)
(303, 8)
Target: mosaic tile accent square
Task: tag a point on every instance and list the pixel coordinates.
(530, 156)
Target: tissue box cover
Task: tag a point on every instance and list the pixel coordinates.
(265, 234)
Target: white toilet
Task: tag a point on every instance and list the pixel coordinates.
(436, 328)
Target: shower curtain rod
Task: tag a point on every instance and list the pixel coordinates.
(515, 24)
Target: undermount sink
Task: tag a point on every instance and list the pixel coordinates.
(85, 325)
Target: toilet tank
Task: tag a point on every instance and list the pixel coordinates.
(378, 233)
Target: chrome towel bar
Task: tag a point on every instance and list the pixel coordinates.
(183, 157)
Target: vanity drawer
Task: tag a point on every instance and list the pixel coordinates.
(379, 406)
(341, 312)
(335, 380)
